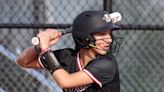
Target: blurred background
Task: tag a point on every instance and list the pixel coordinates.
(140, 57)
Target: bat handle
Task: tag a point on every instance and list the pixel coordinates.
(35, 40)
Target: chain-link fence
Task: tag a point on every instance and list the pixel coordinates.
(140, 56)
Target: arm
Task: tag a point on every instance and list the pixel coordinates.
(62, 77)
(66, 80)
(28, 58)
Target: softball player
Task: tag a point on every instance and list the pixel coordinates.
(90, 67)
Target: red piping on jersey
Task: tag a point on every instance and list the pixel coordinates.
(78, 62)
(86, 71)
(93, 78)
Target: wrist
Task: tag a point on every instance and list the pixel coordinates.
(44, 47)
(49, 61)
(45, 50)
(37, 49)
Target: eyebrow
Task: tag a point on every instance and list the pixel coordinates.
(103, 32)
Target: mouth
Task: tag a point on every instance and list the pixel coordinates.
(105, 47)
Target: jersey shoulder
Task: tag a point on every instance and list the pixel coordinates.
(104, 62)
(67, 58)
(103, 68)
(61, 53)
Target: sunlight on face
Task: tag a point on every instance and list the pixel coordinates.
(103, 42)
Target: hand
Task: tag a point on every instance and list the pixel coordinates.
(48, 37)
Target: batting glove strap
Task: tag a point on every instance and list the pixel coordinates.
(49, 61)
(37, 49)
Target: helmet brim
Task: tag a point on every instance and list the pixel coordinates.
(115, 27)
(106, 27)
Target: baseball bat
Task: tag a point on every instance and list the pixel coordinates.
(114, 17)
(35, 40)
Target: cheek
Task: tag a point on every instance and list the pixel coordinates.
(108, 40)
(100, 51)
(98, 44)
(103, 42)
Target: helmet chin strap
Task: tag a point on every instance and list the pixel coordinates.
(92, 45)
(90, 42)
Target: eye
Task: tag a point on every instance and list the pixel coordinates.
(102, 34)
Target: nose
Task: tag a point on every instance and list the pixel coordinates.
(107, 38)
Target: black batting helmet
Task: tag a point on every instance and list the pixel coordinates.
(87, 23)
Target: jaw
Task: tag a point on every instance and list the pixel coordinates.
(100, 51)
(93, 52)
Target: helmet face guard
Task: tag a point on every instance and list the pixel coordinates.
(84, 43)
(87, 23)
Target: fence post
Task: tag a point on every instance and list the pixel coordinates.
(108, 5)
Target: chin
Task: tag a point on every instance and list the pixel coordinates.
(102, 52)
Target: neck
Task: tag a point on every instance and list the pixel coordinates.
(86, 55)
